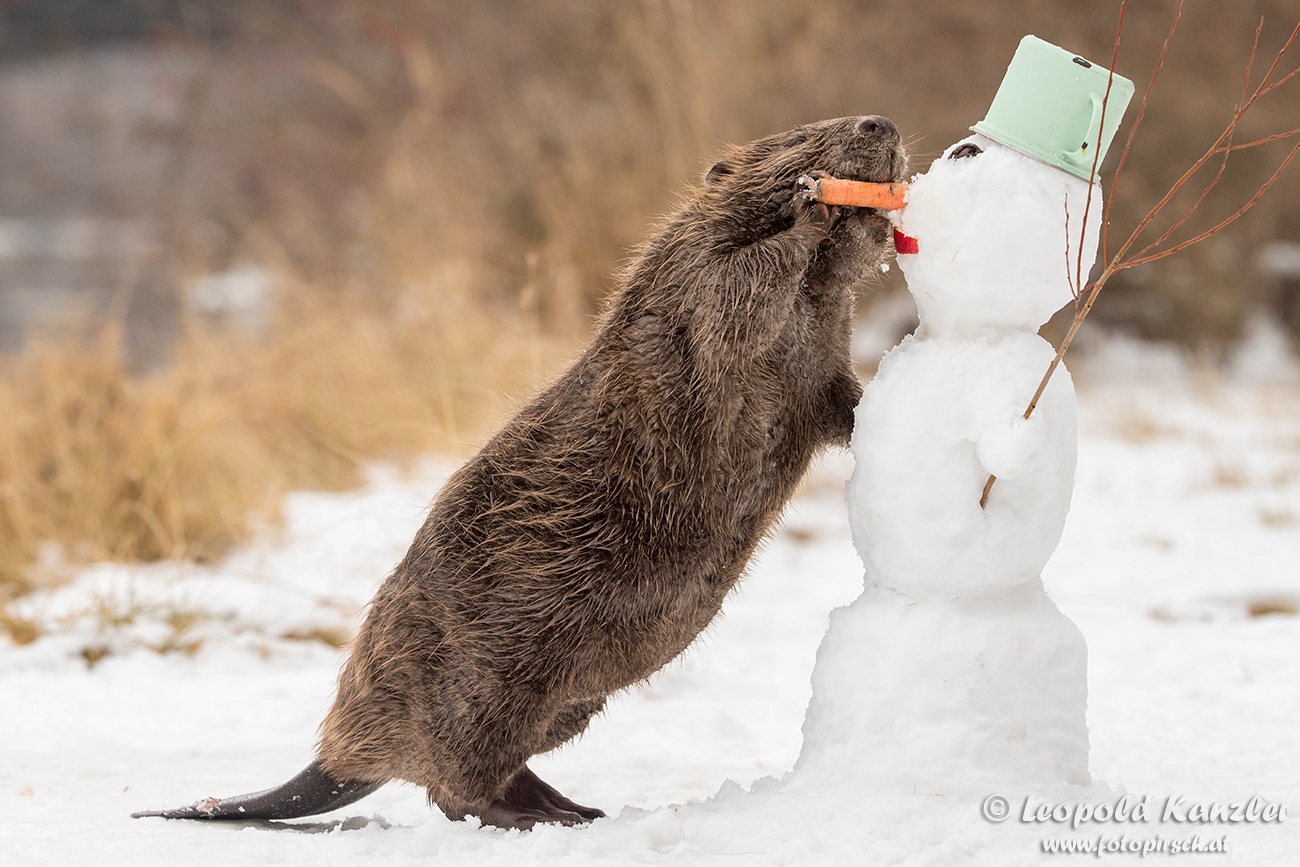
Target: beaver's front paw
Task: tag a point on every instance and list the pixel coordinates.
(808, 212)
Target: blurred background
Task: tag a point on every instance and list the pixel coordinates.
(248, 245)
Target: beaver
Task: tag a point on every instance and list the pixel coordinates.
(596, 534)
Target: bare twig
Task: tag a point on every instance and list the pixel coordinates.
(1096, 157)
(1265, 140)
(1129, 263)
(1137, 121)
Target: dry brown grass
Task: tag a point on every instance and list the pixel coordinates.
(1132, 422)
(1277, 517)
(1273, 605)
(98, 463)
(1225, 474)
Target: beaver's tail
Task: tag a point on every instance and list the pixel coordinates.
(312, 791)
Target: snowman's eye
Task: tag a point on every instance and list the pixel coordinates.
(966, 150)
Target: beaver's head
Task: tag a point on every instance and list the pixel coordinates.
(750, 190)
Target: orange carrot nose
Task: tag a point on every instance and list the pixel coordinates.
(860, 194)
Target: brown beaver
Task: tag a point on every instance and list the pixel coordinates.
(595, 536)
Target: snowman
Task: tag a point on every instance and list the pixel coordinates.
(954, 671)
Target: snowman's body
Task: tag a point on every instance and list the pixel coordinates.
(954, 670)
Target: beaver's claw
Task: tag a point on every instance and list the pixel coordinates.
(806, 207)
(806, 187)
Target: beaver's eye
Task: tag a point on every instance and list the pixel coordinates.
(966, 150)
(720, 170)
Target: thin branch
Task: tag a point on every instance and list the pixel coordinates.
(1218, 146)
(1075, 289)
(1273, 68)
(1259, 141)
(1283, 80)
(1250, 62)
(1093, 178)
(1208, 232)
(1137, 122)
(1238, 112)
(1169, 194)
(1223, 164)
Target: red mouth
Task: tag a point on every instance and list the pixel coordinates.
(904, 243)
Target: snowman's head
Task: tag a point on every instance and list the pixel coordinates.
(992, 245)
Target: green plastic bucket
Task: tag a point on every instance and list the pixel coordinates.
(1049, 106)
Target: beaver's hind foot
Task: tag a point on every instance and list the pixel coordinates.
(529, 800)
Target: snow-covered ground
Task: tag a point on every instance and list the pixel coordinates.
(1184, 533)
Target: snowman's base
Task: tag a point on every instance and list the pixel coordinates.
(946, 696)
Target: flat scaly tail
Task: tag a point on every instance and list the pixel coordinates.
(312, 791)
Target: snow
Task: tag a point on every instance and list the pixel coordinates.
(1186, 512)
(994, 239)
(154, 686)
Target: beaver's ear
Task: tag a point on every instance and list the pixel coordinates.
(720, 170)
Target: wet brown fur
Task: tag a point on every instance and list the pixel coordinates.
(595, 536)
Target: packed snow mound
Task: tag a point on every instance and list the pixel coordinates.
(954, 673)
(938, 419)
(956, 696)
(995, 233)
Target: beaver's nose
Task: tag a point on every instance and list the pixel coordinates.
(878, 127)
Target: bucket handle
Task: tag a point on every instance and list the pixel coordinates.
(1082, 156)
